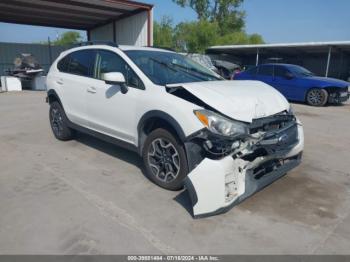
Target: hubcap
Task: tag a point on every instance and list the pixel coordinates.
(316, 97)
(56, 121)
(163, 160)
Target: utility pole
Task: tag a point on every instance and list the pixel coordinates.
(50, 51)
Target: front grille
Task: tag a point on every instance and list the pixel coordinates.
(285, 138)
(281, 132)
(271, 123)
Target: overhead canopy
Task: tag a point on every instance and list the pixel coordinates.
(297, 48)
(72, 14)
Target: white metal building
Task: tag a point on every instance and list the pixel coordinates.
(121, 21)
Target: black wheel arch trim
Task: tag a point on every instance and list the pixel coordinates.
(53, 93)
(163, 116)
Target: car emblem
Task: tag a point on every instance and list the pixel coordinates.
(283, 139)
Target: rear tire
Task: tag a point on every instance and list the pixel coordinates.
(317, 97)
(165, 160)
(59, 122)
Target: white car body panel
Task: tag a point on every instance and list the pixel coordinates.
(93, 104)
(210, 177)
(240, 100)
(73, 89)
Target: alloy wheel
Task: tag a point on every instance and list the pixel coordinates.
(316, 97)
(164, 160)
(56, 121)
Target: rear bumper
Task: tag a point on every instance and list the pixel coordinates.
(215, 186)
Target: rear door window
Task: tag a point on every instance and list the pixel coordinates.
(280, 71)
(265, 70)
(81, 63)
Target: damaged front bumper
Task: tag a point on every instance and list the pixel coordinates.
(338, 97)
(216, 185)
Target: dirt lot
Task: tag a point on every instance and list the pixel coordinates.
(89, 197)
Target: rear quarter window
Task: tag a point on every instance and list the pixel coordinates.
(62, 65)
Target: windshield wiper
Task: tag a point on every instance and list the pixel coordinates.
(173, 69)
(195, 70)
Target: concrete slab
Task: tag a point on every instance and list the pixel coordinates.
(89, 197)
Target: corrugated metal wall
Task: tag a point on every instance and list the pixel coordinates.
(9, 51)
(132, 30)
(102, 33)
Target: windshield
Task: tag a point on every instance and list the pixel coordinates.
(164, 68)
(300, 71)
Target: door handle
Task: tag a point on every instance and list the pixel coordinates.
(91, 89)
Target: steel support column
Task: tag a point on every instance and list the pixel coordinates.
(328, 60)
(257, 56)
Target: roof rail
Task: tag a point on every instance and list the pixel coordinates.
(162, 47)
(109, 43)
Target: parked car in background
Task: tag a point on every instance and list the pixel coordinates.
(226, 69)
(203, 60)
(299, 84)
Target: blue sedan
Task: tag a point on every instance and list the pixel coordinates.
(299, 84)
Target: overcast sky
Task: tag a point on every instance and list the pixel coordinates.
(278, 21)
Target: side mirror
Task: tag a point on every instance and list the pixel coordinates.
(116, 78)
(289, 76)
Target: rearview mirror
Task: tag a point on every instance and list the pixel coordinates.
(116, 78)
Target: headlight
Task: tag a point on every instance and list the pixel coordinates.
(220, 125)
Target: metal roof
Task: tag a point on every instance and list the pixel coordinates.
(310, 47)
(72, 14)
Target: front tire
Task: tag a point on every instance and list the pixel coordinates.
(165, 160)
(59, 122)
(317, 97)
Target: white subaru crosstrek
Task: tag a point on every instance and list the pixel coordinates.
(222, 140)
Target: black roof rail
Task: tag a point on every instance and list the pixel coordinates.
(162, 47)
(109, 43)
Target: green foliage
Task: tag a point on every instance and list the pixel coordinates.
(163, 33)
(220, 22)
(68, 38)
(201, 7)
(196, 36)
(225, 12)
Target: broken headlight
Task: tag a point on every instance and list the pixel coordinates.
(221, 125)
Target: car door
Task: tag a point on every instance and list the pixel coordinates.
(265, 74)
(284, 81)
(110, 111)
(72, 82)
(249, 74)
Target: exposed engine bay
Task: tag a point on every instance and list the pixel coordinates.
(226, 169)
(225, 172)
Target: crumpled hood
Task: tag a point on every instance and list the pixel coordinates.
(240, 100)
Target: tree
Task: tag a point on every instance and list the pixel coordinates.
(197, 36)
(68, 38)
(163, 33)
(220, 22)
(201, 7)
(225, 12)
